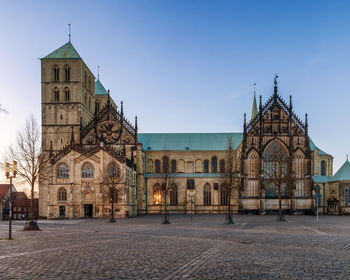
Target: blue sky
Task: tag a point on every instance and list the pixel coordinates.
(188, 66)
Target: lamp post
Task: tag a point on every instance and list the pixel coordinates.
(10, 175)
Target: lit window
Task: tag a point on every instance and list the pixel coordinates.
(157, 195)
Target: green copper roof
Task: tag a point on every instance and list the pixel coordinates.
(66, 51)
(99, 88)
(188, 141)
(313, 147)
(343, 173)
(255, 108)
(321, 179)
(194, 141)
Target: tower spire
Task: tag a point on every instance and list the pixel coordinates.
(69, 31)
(275, 87)
(254, 108)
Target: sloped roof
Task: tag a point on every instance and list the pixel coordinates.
(194, 141)
(313, 147)
(67, 51)
(188, 141)
(99, 88)
(343, 173)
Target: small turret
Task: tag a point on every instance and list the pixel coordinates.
(254, 108)
(121, 108)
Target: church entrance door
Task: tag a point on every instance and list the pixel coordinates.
(88, 210)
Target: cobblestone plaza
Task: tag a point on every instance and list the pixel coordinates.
(142, 248)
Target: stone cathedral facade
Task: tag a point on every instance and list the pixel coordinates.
(87, 137)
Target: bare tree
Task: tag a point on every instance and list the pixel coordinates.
(165, 180)
(113, 186)
(278, 174)
(32, 163)
(229, 178)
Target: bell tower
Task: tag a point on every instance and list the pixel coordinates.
(67, 97)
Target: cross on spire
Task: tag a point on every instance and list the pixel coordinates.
(69, 31)
(98, 72)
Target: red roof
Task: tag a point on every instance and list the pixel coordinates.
(4, 188)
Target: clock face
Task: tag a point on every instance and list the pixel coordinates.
(109, 131)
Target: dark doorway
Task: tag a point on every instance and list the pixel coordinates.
(62, 211)
(88, 210)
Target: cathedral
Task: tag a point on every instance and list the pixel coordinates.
(88, 139)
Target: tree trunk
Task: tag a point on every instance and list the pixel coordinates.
(31, 226)
(165, 218)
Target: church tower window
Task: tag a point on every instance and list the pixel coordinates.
(56, 94)
(67, 93)
(173, 166)
(206, 166)
(56, 74)
(157, 166)
(222, 166)
(67, 73)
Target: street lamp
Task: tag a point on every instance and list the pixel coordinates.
(10, 175)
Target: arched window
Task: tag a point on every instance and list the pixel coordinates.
(67, 73)
(206, 166)
(56, 94)
(275, 167)
(224, 195)
(207, 195)
(214, 165)
(173, 193)
(222, 166)
(323, 168)
(157, 195)
(56, 74)
(157, 166)
(113, 170)
(67, 94)
(62, 171)
(87, 170)
(173, 166)
(347, 197)
(165, 161)
(62, 194)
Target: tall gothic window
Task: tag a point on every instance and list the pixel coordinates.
(214, 164)
(173, 193)
(224, 195)
(62, 171)
(222, 166)
(87, 170)
(323, 168)
(347, 197)
(62, 194)
(67, 73)
(157, 195)
(157, 166)
(275, 166)
(173, 166)
(206, 166)
(207, 195)
(56, 74)
(113, 170)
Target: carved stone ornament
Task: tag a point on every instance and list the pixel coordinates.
(109, 132)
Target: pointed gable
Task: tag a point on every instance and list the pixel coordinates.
(99, 88)
(343, 173)
(67, 51)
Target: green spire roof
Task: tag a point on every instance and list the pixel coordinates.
(255, 108)
(66, 51)
(343, 174)
(99, 88)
